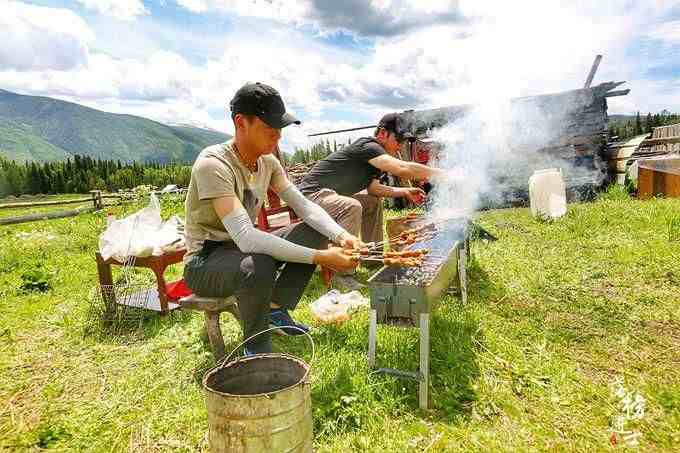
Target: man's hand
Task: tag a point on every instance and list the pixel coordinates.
(334, 258)
(413, 194)
(348, 241)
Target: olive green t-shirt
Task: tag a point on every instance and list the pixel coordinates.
(218, 172)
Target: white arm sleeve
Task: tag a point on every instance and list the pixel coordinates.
(311, 213)
(251, 240)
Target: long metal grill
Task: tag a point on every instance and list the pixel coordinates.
(405, 296)
(448, 234)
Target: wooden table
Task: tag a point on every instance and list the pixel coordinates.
(157, 264)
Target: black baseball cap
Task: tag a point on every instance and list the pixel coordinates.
(264, 102)
(391, 122)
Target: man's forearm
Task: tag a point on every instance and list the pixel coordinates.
(250, 240)
(379, 190)
(418, 171)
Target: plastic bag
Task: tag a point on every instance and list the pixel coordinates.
(140, 234)
(336, 307)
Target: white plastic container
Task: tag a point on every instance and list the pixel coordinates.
(548, 193)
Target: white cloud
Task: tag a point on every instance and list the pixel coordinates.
(119, 9)
(358, 17)
(195, 6)
(497, 51)
(284, 11)
(668, 32)
(648, 96)
(163, 76)
(38, 38)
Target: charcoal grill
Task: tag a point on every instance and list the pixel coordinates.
(406, 297)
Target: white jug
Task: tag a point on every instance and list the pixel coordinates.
(548, 193)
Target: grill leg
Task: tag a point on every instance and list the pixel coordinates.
(424, 386)
(462, 273)
(372, 333)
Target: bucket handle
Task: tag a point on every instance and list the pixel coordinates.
(305, 333)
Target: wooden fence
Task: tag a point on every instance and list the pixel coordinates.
(96, 198)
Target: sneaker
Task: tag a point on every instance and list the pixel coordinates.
(280, 318)
(345, 283)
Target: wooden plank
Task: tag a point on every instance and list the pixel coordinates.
(661, 141)
(45, 216)
(672, 130)
(614, 93)
(593, 70)
(43, 203)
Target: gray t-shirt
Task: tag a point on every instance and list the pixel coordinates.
(345, 171)
(218, 172)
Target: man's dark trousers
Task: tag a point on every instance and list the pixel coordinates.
(220, 269)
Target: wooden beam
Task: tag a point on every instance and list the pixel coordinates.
(34, 204)
(611, 94)
(593, 70)
(660, 141)
(45, 216)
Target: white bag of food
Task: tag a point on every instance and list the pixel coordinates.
(336, 307)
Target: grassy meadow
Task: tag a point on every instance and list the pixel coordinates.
(570, 341)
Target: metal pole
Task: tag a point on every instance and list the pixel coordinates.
(343, 130)
(462, 273)
(424, 361)
(372, 333)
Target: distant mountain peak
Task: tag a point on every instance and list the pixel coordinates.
(45, 129)
(195, 125)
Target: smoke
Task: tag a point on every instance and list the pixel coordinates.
(490, 151)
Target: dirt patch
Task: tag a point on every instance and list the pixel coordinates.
(663, 329)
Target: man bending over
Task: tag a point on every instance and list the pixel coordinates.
(346, 183)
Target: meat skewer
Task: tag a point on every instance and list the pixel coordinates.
(397, 262)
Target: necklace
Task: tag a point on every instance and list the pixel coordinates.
(252, 168)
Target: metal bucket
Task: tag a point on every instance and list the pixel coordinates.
(260, 403)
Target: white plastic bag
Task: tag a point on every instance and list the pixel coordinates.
(168, 239)
(140, 234)
(336, 307)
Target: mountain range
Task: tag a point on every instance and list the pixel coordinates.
(46, 129)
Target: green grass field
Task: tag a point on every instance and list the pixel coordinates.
(571, 333)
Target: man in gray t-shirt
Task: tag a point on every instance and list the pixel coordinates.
(226, 255)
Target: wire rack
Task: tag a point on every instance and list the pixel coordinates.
(123, 305)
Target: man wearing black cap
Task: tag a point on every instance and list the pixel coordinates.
(226, 255)
(346, 183)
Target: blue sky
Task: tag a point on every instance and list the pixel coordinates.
(337, 64)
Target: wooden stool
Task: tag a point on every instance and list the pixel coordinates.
(212, 307)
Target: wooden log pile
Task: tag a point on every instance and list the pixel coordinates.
(566, 130)
(665, 140)
(297, 171)
(622, 156)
